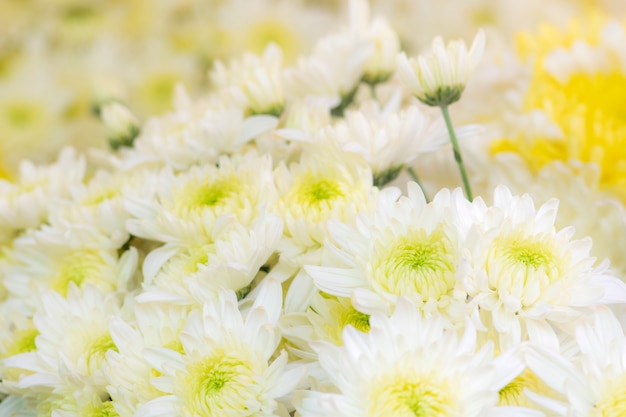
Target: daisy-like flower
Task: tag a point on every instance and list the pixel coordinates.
(385, 139)
(582, 202)
(99, 203)
(155, 324)
(381, 63)
(320, 187)
(255, 81)
(230, 259)
(197, 132)
(409, 366)
(69, 361)
(592, 382)
(185, 207)
(54, 258)
(25, 202)
(440, 78)
(225, 366)
(325, 320)
(122, 126)
(528, 276)
(406, 248)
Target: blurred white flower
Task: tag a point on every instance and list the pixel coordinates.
(25, 202)
(55, 258)
(440, 78)
(68, 366)
(122, 126)
(254, 82)
(197, 132)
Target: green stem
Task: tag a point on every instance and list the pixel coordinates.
(457, 152)
(415, 178)
(373, 92)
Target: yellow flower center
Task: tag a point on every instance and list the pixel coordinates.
(315, 192)
(156, 92)
(22, 114)
(77, 267)
(269, 30)
(97, 349)
(412, 396)
(199, 195)
(513, 393)
(23, 341)
(613, 403)
(180, 266)
(105, 410)
(587, 107)
(217, 383)
(417, 263)
(522, 266)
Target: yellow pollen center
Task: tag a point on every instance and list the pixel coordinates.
(77, 267)
(523, 267)
(418, 263)
(588, 107)
(315, 192)
(411, 397)
(106, 410)
(613, 404)
(217, 383)
(513, 393)
(270, 30)
(200, 195)
(358, 320)
(97, 350)
(23, 341)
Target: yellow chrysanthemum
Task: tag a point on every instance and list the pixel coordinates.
(586, 104)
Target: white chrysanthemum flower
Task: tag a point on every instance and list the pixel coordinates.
(321, 187)
(32, 106)
(68, 364)
(593, 382)
(582, 203)
(225, 367)
(324, 320)
(197, 132)
(25, 203)
(128, 373)
(333, 71)
(100, 202)
(185, 207)
(122, 126)
(241, 25)
(527, 275)
(231, 259)
(406, 248)
(407, 365)
(57, 257)
(381, 64)
(440, 78)
(255, 82)
(385, 139)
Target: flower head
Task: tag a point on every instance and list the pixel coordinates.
(409, 366)
(440, 78)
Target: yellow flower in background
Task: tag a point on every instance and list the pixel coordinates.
(579, 83)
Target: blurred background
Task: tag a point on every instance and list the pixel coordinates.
(60, 60)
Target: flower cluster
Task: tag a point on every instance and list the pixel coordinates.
(293, 240)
